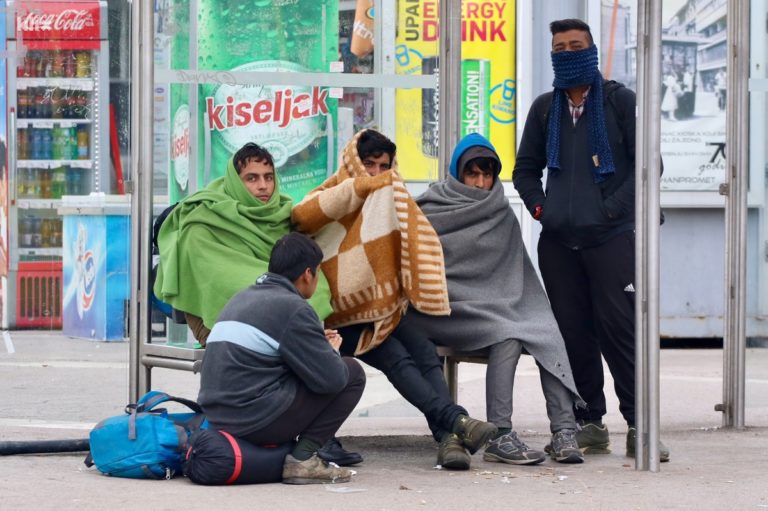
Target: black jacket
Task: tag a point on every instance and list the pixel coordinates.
(266, 342)
(576, 211)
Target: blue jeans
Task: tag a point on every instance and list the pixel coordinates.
(409, 361)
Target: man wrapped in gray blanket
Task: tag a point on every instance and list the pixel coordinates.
(497, 301)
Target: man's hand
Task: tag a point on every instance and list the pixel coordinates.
(334, 339)
(537, 212)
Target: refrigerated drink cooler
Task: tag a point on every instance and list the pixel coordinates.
(57, 121)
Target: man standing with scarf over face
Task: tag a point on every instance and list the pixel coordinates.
(584, 133)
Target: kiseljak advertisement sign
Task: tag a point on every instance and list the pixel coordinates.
(292, 122)
(488, 95)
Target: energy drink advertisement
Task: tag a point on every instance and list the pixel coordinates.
(292, 122)
(488, 79)
(475, 97)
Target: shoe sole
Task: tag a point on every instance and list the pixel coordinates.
(343, 462)
(494, 458)
(595, 449)
(456, 464)
(307, 480)
(571, 458)
(484, 438)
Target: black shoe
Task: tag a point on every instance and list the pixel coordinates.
(332, 451)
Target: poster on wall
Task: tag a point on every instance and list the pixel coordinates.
(693, 92)
(487, 75)
(292, 122)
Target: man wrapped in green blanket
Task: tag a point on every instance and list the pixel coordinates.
(217, 241)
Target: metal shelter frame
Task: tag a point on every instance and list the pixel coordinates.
(647, 199)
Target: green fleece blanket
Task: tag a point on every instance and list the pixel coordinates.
(216, 242)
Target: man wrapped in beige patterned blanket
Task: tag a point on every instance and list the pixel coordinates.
(370, 228)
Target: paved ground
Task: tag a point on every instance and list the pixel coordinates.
(54, 387)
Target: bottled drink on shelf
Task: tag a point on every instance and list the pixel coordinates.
(30, 65)
(57, 234)
(36, 237)
(22, 182)
(36, 143)
(39, 64)
(48, 66)
(45, 183)
(83, 64)
(57, 64)
(58, 183)
(47, 141)
(82, 105)
(45, 232)
(57, 98)
(69, 63)
(25, 231)
(47, 110)
(23, 104)
(56, 150)
(71, 106)
(74, 176)
(23, 143)
(34, 63)
(33, 183)
(36, 103)
(83, 142)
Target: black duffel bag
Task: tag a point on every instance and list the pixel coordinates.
(217, 457)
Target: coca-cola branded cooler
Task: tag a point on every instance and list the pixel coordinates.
(58, 136)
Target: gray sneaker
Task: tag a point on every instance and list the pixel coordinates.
(564, 448)
(592, 437)
(510, 449)
(314, 470)
(632, 435)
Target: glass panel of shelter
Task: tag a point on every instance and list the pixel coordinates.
(756, 397)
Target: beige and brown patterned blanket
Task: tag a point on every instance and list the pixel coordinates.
(380, 251)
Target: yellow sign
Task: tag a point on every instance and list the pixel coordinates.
(487, 75)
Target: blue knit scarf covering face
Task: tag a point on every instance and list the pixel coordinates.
(574, 69)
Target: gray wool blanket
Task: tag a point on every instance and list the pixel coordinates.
(494, 292)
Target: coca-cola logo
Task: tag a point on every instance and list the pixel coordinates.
(74, 20)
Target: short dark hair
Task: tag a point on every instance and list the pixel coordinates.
(373, 143)
(251, 151)
(558, 26)
(485, 163)
(293, 254)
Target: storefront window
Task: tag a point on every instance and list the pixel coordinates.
(65, 95)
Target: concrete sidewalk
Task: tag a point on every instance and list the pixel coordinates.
(55, 387)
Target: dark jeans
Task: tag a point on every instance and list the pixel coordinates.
(409, 361)
(592, 295)
(316, 417)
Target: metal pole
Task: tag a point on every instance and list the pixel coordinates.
(147, 84)
(648, 171)
(134, 366)
(641, 230)
(449, 81)
(737, 158)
